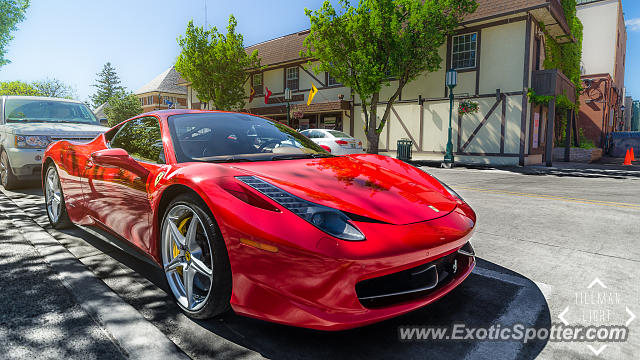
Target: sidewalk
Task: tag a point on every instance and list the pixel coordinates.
(54, 308)
(40, 319)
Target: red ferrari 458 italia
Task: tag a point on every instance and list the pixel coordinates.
(245, 213)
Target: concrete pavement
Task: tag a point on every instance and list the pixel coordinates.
(562, 230)
(40, 319)
(541, 240)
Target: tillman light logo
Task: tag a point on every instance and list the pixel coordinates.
(597, 305)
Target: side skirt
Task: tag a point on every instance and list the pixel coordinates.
(120, 244)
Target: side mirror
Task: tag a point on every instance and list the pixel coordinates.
(104, 122)
(118, 158)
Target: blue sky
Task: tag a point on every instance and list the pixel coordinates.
(72, 39)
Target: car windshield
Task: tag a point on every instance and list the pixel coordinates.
(338, 134)
(234, 137)
(30, 110)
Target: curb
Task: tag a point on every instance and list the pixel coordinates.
(137, 337)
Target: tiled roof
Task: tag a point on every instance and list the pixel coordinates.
(165, 82)
(280, 50)
(287, 48)
(494, 8)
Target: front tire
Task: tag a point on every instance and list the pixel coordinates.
(195, 259)
(54, 200)
(7, 178)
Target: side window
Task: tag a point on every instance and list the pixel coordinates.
(142, 139)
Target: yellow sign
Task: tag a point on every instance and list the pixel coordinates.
(312, 93)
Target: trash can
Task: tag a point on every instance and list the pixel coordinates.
(404, 149)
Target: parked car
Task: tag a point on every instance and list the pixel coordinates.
(244, 213)
(28, 124)
(335, 142)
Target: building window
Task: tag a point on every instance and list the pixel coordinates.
(331, 81)
(141, 101)
(293, 78)
(258, 85)
(463, 54)
(149, 99)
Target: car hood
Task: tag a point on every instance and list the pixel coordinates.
(392, 194)
(55, 129)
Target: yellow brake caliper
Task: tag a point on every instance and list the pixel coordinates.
(182, 227)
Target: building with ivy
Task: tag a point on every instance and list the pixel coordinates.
(499, 52)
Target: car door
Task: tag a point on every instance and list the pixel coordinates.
(117, 196)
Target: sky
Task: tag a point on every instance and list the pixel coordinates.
(71, 40)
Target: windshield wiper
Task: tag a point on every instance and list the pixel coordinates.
(229, 159)
(299, 156)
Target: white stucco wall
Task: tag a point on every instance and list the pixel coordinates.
(600, 20)
(501, 67)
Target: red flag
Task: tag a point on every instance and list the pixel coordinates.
(252, 94)
(266, 97)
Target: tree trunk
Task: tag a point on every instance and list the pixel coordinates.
(373, 138)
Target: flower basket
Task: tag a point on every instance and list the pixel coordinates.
(467, 107)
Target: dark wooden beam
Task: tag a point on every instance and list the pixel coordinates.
(313, 76)
(567, 140)
(484, 121)
(503, 123)
(525, 86)
(418, 146)
(551, 120)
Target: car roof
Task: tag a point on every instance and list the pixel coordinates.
(23, 97)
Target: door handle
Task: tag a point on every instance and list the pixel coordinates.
(89, 164)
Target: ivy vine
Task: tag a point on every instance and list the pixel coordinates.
(566, 57)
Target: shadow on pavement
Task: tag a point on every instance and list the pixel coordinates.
(559, 169)
(491, 295)
(484, 299)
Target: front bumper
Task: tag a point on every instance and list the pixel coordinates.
(25, 163)
(318, 288)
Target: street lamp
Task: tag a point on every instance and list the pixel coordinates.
(451, 81)
(287, 98)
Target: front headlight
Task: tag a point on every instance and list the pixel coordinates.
(32, 141)
(333, 222)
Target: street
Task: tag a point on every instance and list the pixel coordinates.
(542, 240)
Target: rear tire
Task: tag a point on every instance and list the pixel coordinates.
(54, 200)
(7, 178)
(204, 254)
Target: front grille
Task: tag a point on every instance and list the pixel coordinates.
(412, 283)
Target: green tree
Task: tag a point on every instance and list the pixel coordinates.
(122, 106)
(216, 64)
(108, 85)
(11, 13)
(54, 88)
(18, 88)
(381, 42)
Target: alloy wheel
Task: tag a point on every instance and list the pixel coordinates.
(4, 166)
(187, 257)
(53, 194)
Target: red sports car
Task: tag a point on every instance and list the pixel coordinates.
(245, 213)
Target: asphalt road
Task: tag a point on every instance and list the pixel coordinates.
(541, 241)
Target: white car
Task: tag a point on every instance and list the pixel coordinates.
(28, 124)
(336, 142)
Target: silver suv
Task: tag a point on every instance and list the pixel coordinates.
(28, 124)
